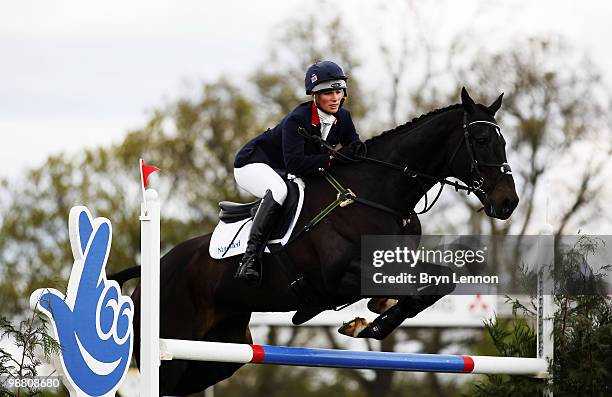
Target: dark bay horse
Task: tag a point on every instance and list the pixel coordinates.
(201, 300)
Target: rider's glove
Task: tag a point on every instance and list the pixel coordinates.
(346, 154)
(351, 152)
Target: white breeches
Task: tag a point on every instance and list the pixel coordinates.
(256, 178)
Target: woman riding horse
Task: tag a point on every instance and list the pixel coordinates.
(201, 300)
(261, 162)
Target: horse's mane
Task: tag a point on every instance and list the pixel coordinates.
(415, 122)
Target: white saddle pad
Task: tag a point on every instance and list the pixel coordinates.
(236, 234)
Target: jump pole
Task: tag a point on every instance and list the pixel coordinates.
(334, 358)
(153, 348)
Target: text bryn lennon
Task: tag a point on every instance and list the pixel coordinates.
(425, 278)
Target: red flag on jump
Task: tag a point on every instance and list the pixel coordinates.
(145, 171)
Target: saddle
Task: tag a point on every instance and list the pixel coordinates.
(235, 220)
(232, 233)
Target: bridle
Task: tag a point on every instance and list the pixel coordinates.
(475, 165)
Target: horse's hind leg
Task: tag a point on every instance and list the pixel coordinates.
(199, 374)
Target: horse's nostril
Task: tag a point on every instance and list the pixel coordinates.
(507, 207)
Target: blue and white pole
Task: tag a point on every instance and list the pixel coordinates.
(309, 357)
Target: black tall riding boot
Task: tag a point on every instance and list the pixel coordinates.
(249, 268)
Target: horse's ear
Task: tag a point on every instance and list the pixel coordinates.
(494, 107)
(467, 102)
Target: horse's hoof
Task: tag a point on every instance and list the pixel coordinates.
(381, 305)
(353, 327)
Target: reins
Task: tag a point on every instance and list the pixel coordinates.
(403, 169)
(346, 196)
(475, 165)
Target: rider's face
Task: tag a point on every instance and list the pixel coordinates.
(329, 101)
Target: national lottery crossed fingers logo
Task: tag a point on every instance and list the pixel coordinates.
(93, 321)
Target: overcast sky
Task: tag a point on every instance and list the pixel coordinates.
(76, 74)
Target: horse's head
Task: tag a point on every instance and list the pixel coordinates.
(479, 158)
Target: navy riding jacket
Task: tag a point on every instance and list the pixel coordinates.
(284, 149)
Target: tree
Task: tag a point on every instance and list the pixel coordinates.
(554, 115)
(193, 142)
(34, 345)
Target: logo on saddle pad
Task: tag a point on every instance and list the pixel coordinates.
(93, 322)
(221, 250)
(226, 240)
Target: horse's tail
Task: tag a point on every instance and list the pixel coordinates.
(125, 275)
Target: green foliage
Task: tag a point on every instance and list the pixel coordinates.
(511, 338)
(30, 337)
(583, 325)
(582, 334)
(583, 339)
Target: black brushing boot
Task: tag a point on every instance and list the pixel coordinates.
(249, 268)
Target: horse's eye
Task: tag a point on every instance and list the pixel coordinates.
(481, 135)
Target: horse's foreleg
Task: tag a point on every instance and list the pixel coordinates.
(378, 329)
(389, 320)
(407, 307)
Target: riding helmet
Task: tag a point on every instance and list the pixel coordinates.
(324, 76)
